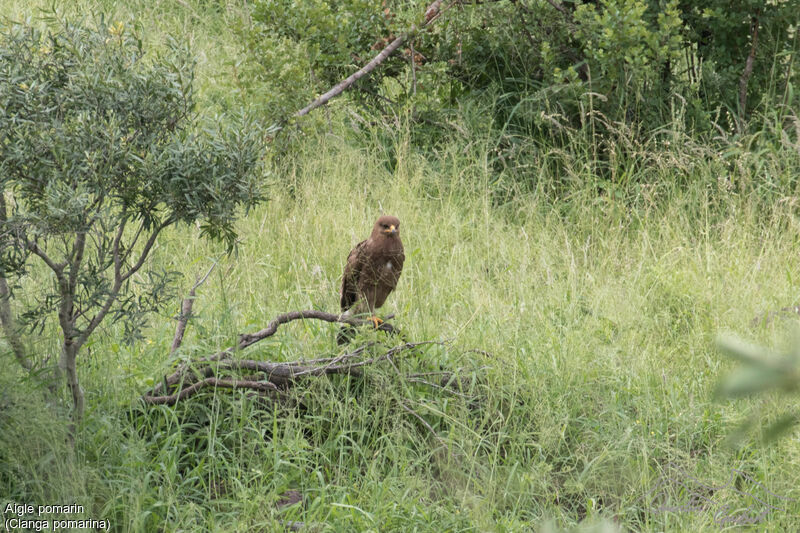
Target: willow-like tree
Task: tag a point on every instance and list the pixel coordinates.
(100, 152)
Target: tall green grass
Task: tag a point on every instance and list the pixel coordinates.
(597, 300)
(600, 329)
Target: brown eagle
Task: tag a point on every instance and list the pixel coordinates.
(372, 270)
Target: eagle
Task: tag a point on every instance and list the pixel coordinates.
(372, 270)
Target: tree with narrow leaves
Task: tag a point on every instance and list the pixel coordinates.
(101, 150)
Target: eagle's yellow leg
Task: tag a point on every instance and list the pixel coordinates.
(375, 320)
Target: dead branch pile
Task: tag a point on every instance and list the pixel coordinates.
(224, 369)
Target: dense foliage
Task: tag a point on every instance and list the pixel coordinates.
(630, 60)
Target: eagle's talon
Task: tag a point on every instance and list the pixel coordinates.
(376, 321)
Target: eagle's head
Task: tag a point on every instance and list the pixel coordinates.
(386, 226)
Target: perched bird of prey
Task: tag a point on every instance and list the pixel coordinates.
(372, 270)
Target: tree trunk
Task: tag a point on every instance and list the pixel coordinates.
(10, 327)
(68, 360)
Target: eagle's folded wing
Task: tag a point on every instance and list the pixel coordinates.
(352, 274)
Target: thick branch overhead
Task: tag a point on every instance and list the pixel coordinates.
(431, 14)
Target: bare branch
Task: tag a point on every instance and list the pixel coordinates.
(115, 248)
(186, 311)
(247, 339)
(192, 376)
(57, 268)
(325, 360)
(76, 257)
(431, 14)
(275, 374)
(172, 399)
(119, 279)
(279, 373)
(146, 250)
(132, 242)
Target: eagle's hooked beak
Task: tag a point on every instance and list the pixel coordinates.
(391, 230)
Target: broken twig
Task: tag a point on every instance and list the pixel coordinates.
(186, 311)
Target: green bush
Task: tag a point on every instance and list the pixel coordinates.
(640, 58)
(100, 151)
